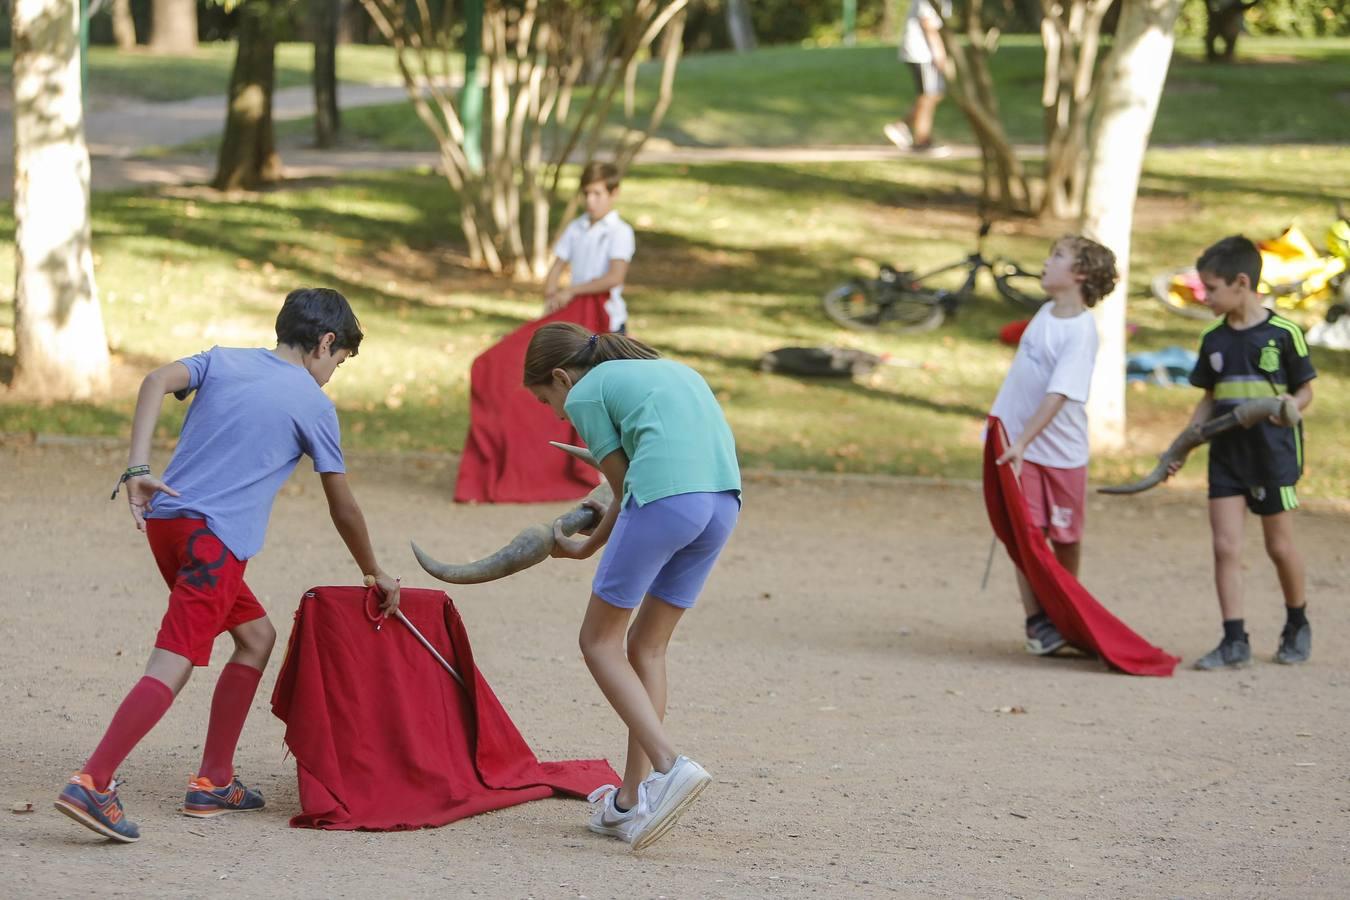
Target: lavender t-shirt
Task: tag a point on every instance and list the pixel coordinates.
(253, 417)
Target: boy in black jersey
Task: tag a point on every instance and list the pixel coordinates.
(1251, 352)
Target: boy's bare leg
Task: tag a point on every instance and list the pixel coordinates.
(1028, 597)
(1069, 556)
(602, 645)
(253, 642)
(921, 118)
(169, 668)
(648, 639)
(1283, 552)
(1227, 516)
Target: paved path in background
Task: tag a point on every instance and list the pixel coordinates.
(120, 132)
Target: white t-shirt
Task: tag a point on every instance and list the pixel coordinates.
(1055, 357)
(588, 247)
(914, 43)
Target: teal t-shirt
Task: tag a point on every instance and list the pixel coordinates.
(664, 417)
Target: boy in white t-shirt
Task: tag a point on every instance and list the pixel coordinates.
(598, 246)
(1042, 407)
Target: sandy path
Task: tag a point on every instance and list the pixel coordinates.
(840, 679)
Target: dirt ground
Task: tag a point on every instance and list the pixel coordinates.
(844, 679)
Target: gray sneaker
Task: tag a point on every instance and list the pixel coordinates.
(1043, 638)
(1295, 644)
(1228, 655)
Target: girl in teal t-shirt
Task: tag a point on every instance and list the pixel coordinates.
(661, 440)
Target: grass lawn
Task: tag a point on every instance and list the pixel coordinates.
(731, 260)
(1287, 91)
(113, 73)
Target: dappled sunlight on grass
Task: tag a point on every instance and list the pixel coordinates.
(731, 262)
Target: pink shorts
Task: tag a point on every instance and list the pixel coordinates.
(1056, 500)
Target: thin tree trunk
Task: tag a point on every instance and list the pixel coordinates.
(248, 155)
(739, 27)
(1131, 87)
(123, 25)
(61, 351)
(327, 117)
(173, 26)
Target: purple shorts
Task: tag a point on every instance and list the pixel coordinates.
(666, 548)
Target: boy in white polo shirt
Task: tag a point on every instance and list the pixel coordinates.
(598, 247)
(1042, 408)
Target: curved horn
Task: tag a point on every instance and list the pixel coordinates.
(531, 546)
(578, 452)
(1244, 415)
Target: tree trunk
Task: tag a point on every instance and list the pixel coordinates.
(324, 15)
(173, 26)
(248, 155)
(61, 352)
(739, 27)
(123, 25)
(1131, 87)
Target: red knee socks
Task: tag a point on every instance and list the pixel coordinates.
(229, 707)
(145, 705)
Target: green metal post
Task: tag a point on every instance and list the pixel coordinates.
(850, 22)
(471, 98)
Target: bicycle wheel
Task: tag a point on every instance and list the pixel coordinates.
(868, 305)
(1019, 287)
(1177, 290)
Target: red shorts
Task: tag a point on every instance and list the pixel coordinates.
(1056, 499)
(207, 594)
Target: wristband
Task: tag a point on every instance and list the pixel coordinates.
(131, 472)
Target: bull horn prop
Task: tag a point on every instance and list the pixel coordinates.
(530, 547)
(1244, 415)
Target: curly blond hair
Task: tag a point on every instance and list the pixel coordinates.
(1097, 265)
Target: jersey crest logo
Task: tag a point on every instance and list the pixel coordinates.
(1216, 361)
(1270, 358)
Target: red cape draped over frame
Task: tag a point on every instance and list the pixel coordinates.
(384, 738)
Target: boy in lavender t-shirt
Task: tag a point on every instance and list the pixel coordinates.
(256, 413)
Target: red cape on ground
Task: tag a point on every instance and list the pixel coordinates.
(1083, 621)
(506, 456)
(384, 738)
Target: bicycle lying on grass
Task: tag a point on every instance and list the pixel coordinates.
(902, 301)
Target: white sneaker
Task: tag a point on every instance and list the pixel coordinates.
(898, 133)
(666, 797)
(607, 819)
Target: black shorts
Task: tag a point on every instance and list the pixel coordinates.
(1262, 499)
(928, 79)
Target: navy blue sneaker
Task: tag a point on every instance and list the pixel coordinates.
(205, 800)
(97, 810)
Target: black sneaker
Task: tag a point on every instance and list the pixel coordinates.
(1043, 638)
(1295, 644)
(1228, 655)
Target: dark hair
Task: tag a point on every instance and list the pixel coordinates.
(1096, 263)
(600, 171)
(566, 345)
(1231, 257)
(310, 313)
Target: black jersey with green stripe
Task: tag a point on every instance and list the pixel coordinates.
(1266, 360)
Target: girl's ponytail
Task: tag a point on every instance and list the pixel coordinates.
(566, 345)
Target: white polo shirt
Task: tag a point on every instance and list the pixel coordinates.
(587, 247)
